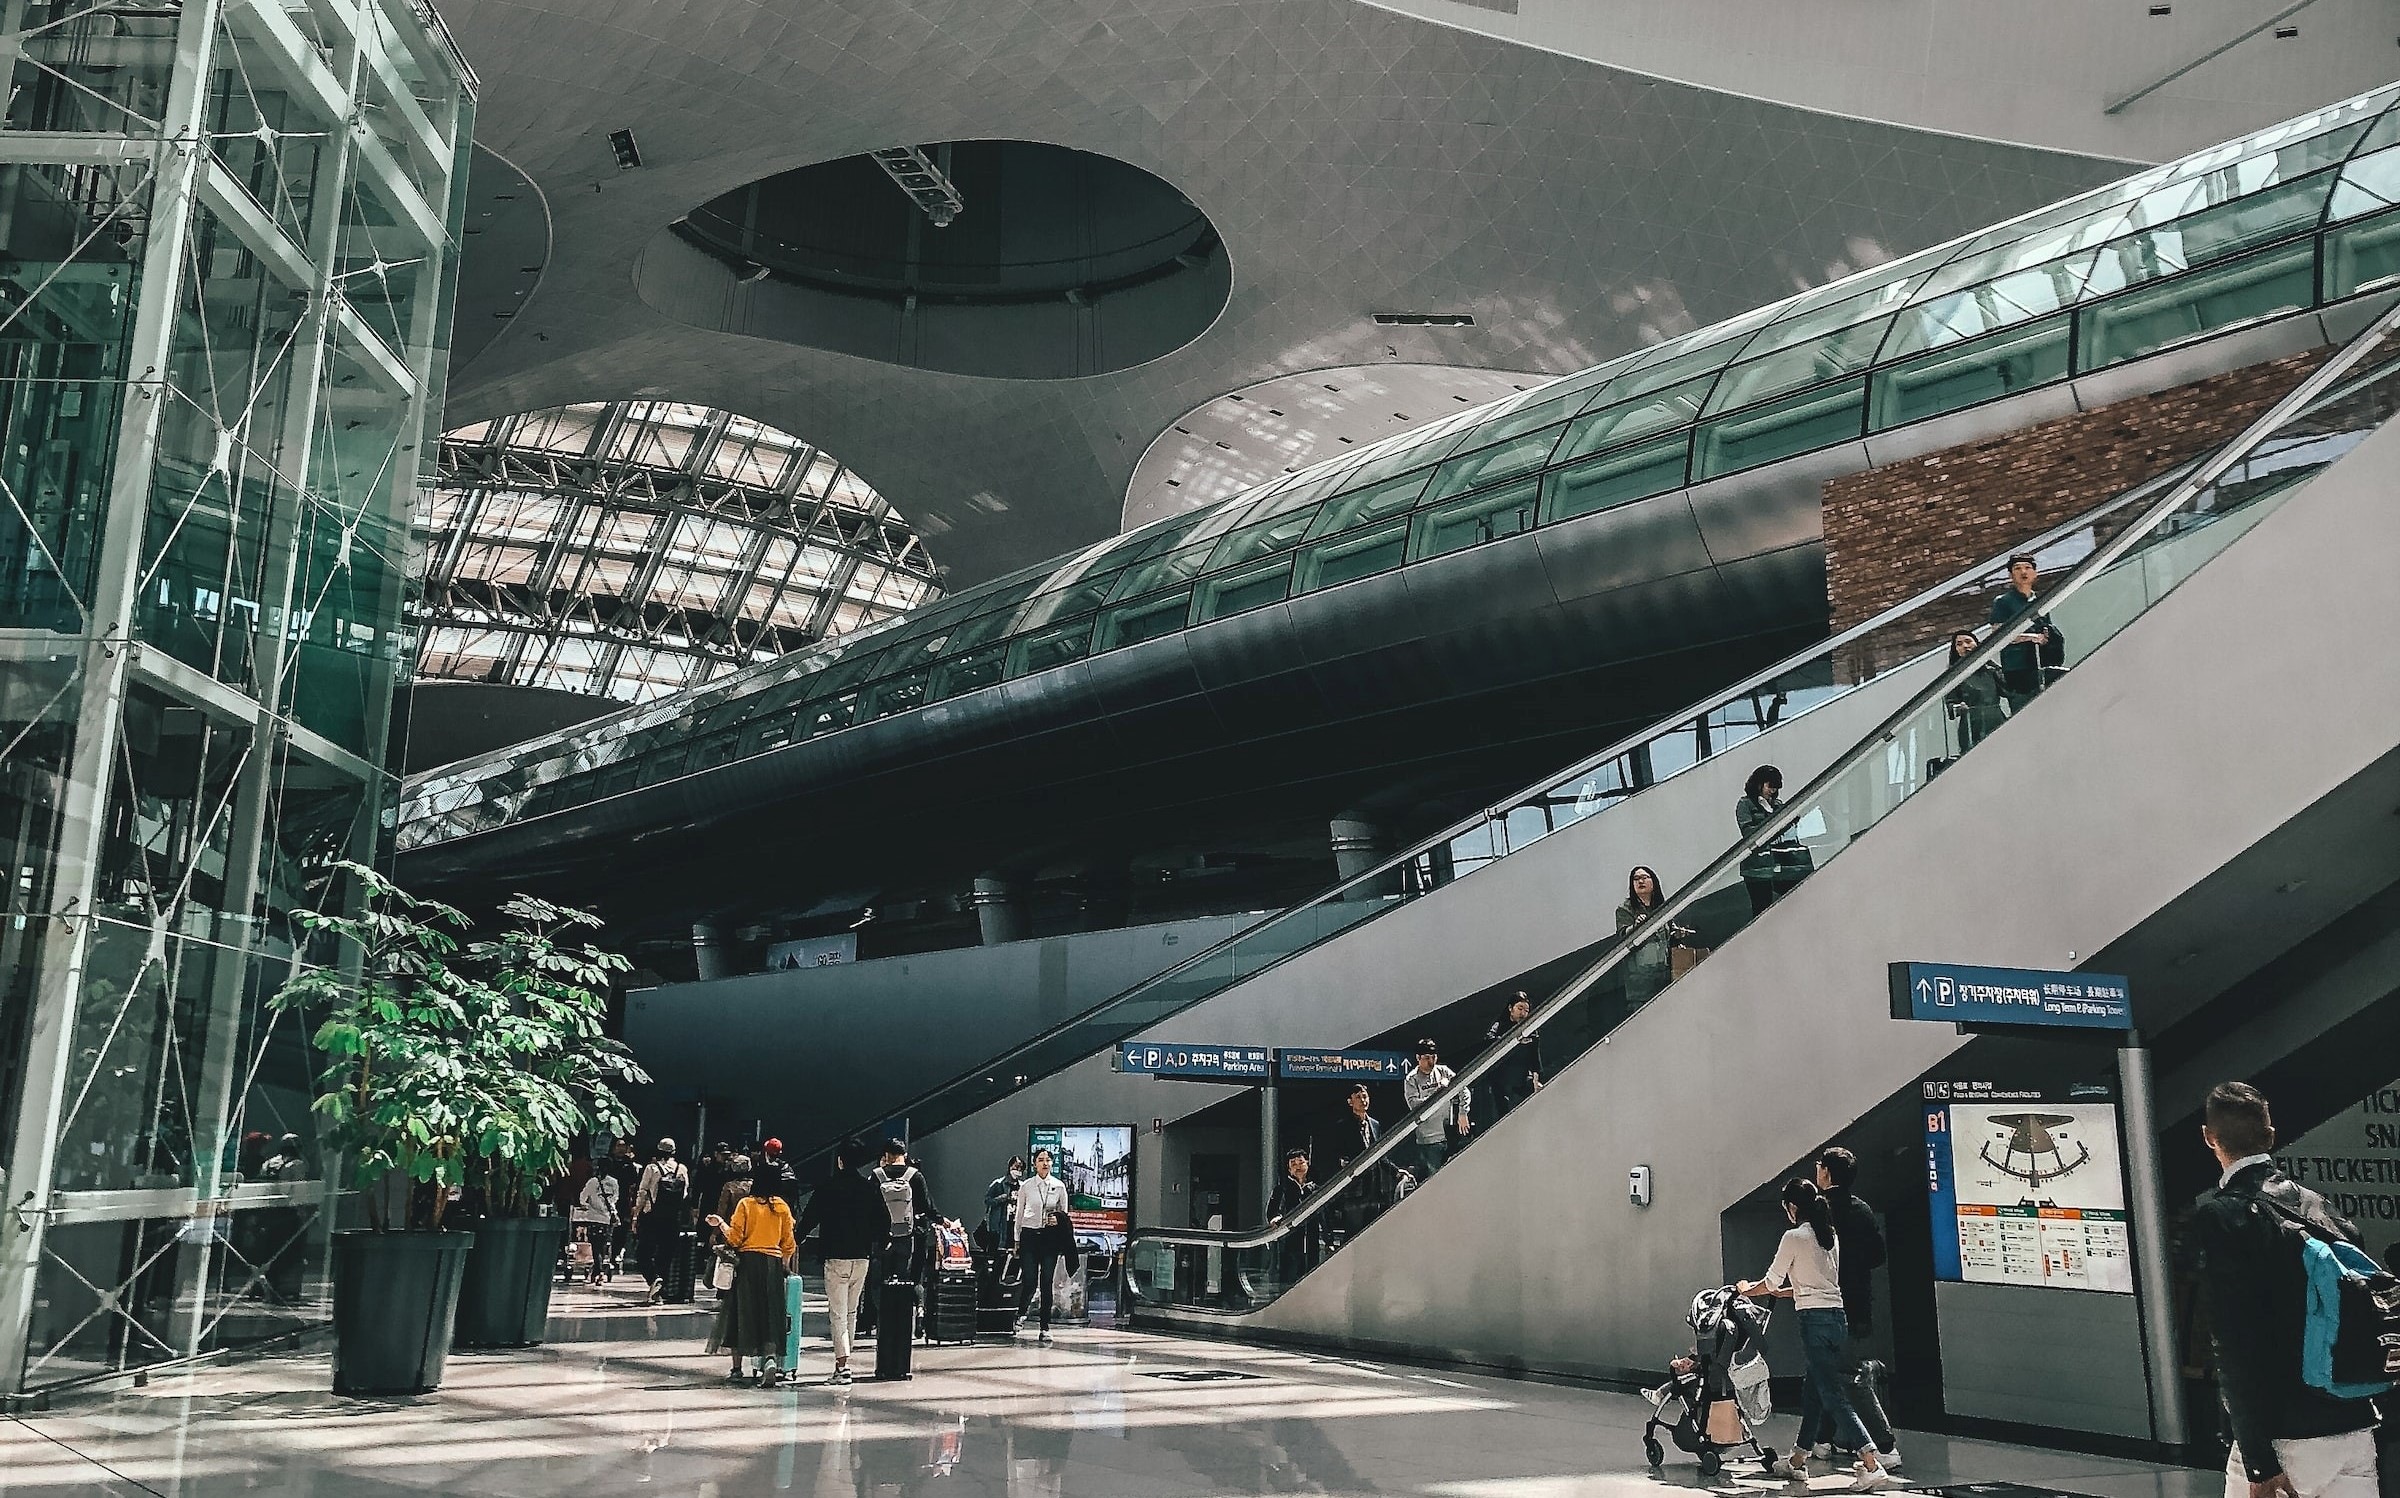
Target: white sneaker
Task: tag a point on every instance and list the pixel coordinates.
(1044, 1341)
(1890, 1460)
(1870, 1478)
(1795, 1467)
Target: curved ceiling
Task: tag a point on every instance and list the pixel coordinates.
(1246, 437)
(2051, 73)
(1355, 162)
(1024, 261)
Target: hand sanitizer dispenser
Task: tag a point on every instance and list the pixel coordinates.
(1639, 1184)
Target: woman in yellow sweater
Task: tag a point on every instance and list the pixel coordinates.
(761, 1237)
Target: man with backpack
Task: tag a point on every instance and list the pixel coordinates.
(2249, 1244)
(662, 1205)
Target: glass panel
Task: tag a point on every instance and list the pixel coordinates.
(1365, 506)
(1995, 304)
(2138, 322)
(1250, 588)
(2369, 185)
(1949, 379)
(1077, 597)
(2207, 237)
(1148, 619)
(1261, 539)
(1055, 646)
(1160, 572)
(1797, 424)
(1477, 518)
(1809, 364)
(967, 673)
(2364, 256)
(1614, 478)
(1348, 558)
(1490, 465)
(1679, 407)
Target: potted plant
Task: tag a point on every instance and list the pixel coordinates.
(546, 1073)
(394, 1010)
(451, 1069)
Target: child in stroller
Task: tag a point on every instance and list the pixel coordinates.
(1716, 1394)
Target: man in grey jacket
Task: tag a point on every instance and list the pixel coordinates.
(1430, 1145)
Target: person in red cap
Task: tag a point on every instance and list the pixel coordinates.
(770, 1172)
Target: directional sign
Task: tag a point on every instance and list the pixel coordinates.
(1950, 992)
(1208, 1063)
(1342, 1066)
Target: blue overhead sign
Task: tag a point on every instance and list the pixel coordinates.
(1343, 1066)
(1210, 1063)
(1954, 993)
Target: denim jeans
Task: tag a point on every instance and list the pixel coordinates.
(1825, 1412)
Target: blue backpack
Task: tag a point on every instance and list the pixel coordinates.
(2350, 1340)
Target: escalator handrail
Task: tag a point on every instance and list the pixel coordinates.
(1800, 803)
(1499, 810)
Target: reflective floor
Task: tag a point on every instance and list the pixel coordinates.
(1109, 1414)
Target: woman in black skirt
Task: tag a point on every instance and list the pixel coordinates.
(760, 1235)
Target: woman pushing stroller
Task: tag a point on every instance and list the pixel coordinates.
(1807, 1272)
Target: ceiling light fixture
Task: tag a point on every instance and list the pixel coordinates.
(927, 185)
(628, 154)
(1422, 320)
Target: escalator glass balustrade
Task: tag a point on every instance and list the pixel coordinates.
(2111, 568)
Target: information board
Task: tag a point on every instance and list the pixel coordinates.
(2027, 1188)
(1954, 992)
(1342, 1066)
(1171, 1058)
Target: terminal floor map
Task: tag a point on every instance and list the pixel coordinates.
(2032, 1189)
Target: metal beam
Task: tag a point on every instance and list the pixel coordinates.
(2211, 55)
(71, 148)
(927, 185)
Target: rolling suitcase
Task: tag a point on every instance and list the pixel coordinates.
(950, 1315)
(682, 1269)
(791, 1325)
(895, 1327)
(1866, 1397)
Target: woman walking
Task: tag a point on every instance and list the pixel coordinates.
(594, 1220)
(1041, 1232)
(1648, 967)
(760, 1235)
(1807, 1271)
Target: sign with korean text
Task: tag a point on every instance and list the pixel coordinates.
(1208, 1063)
(1342, 1066)
(1953, 992)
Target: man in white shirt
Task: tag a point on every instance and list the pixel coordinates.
(1430, 1145)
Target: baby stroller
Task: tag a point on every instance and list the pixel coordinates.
(1717, 1393)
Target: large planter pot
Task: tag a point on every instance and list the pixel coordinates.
(395, 1300)
(505, 1300)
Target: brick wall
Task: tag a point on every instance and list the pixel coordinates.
(1893, 531)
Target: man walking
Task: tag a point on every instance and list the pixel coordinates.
(852, 1217)
(1859, 1240)
(2289, 1438)
(1422, 1085)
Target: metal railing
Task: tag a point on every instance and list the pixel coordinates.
(2164, 520)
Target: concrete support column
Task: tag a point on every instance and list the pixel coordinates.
(996, 910)
(1355, 850)
(708, 950)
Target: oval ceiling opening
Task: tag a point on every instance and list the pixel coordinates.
(1011, 259)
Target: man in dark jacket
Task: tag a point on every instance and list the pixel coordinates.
(1859, 1239)
(2290, 1439)
(2036, 643)
(851, 1215)
(1520, 1075)
(1299, 1246)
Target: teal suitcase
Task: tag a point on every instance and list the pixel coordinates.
(791, 1323)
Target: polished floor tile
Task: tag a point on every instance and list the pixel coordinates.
(1107, 1414)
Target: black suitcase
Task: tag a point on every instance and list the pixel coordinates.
(683, 1269)
(895, 1328)
(950, 1316)
(1866, 1397)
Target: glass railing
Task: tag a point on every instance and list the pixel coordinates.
(2137, 557)
(1905, 637)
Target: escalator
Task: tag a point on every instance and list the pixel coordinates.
(1664, 788)
(2203, 718)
